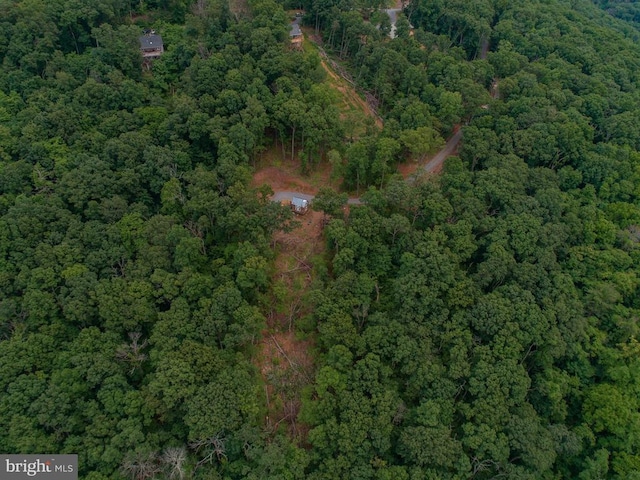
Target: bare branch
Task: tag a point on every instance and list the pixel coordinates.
(174, 458)
(141, 466)
(132, 352)
(211, 446)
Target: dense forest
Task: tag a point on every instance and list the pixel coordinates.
(480, 323)
(623, 9)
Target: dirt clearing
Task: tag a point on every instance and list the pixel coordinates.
(285, 360)
(279, 179)
(284, 174)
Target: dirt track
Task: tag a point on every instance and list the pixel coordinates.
(279, 196)
(436, 162)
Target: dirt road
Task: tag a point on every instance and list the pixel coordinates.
(287, 195)
(436, 162)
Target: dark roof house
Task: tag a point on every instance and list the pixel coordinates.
(295, 30)
(151, 45)
(295, 34)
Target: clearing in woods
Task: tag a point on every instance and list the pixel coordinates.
(239, 8)
(285, 174)
(286, 368)
(284, 360)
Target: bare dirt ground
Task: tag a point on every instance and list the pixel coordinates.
(280, 179)
(408, 168)
(284, 174)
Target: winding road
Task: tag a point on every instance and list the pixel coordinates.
(281, 195)
(393, 17)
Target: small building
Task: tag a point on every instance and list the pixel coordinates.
(299, 205)
(151, 45)
(295, 34)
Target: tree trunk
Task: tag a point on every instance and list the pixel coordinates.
(75, 41)
(284, 155)
(343, 42)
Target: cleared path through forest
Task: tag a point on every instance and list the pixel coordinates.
(436, 162)
(393, 17)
